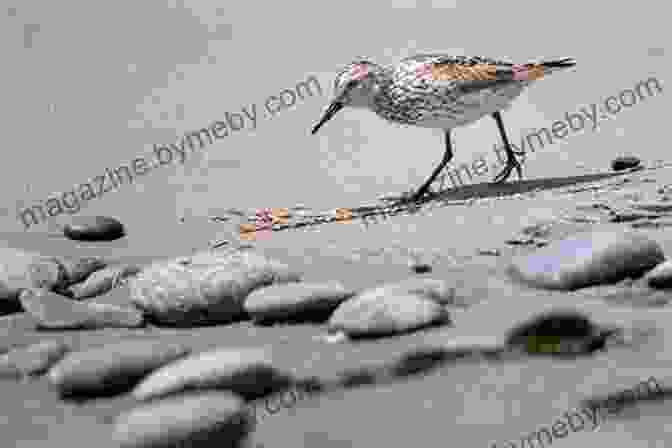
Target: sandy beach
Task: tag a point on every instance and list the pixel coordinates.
(103, 83)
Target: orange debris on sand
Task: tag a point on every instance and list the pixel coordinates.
(343, 214)
(247, 227)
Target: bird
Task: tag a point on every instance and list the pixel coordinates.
(439, 91)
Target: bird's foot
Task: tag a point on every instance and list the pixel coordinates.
(417, 197)
(411, 197)
(511, 163)
(503, 175)
(422, 195)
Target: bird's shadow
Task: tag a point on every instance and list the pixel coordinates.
(477, 191)
(489, 189)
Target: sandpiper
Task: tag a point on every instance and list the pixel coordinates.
(439, 91)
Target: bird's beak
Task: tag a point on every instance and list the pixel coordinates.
(333, 108)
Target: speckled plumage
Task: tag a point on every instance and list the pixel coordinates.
(438, 91)
(404, 97)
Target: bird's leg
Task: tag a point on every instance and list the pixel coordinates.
(511, 161)
(447, 155)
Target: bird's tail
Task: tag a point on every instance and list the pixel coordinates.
(558, 64)
(535, 70)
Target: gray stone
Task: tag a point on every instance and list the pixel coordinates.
(380, 315)
(660, 276)
(206, 288)
(588, 259)
(433, 289)
(54, 311)
(103, 280)
(296, 301)
(624, 163)
(94, 228)
(77, 269)
(21, 269)
(209, 419)
(247, 372)
(558, 332)
(571, 317)
(420, 267)
(111, 368)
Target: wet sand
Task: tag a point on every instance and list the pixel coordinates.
(470, 404)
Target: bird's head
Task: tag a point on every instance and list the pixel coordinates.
(354, 86)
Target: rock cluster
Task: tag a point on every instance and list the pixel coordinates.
(195, 397)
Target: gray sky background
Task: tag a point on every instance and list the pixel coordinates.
(89, 85)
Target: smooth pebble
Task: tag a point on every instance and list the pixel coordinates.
(112, 368)
(247, 372)
(212, 419)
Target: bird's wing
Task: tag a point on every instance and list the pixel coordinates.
(455, 74)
